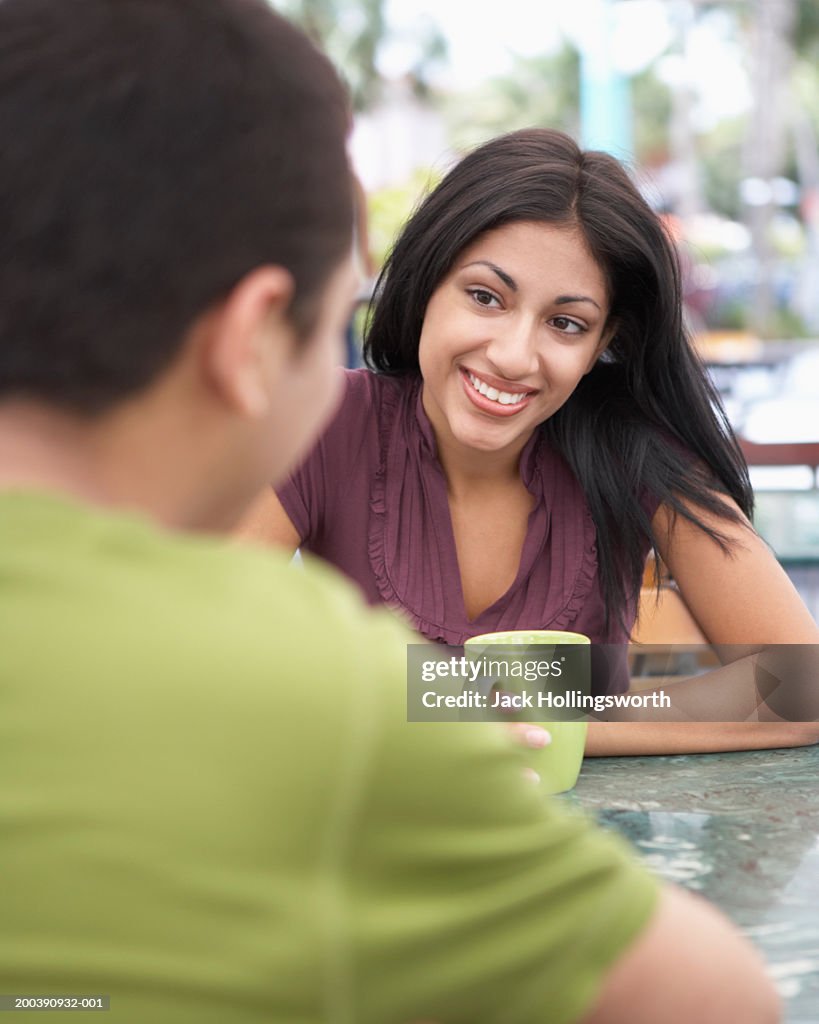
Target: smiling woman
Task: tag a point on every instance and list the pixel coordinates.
(536, 425)
(507, 336)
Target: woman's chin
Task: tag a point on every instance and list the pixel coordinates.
(492, 439)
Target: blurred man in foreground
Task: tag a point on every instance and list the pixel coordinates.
(212, 807)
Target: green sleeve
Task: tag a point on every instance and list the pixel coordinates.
(469, 897)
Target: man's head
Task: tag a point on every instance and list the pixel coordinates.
(156, 156)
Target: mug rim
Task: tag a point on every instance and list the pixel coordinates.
(562, 633)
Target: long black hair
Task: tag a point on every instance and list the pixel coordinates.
(646, 420)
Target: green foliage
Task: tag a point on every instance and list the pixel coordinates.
(805, 89)
(389, 208)
(728, 316)
(545, 91)
(651, 105)
(787, 323)
(722, 151)
(735, 315)
(540, 91)
(720, 154)
(806, 33)
(352, 32)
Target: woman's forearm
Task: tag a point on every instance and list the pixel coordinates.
(621, 739)
(779, 684)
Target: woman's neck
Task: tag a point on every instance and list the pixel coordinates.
(468, 470)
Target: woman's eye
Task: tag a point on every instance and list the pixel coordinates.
(483, 297)
(567, 325)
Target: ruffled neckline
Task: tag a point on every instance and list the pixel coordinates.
(411, 545)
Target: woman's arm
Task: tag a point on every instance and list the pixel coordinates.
(267, 523)
(743, 601)
(738, 597)
(627, 739)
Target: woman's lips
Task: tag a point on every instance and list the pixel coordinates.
(492, 405)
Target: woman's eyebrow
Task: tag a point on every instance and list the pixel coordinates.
(507, 280)
(561, 300)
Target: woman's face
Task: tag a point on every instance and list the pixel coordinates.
(509, 333)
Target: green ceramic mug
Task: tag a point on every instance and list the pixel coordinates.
(557, 764)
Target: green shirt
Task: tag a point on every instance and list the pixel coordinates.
(213, 809)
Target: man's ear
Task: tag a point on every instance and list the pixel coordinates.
(248, 339)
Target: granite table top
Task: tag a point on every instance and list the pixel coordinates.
(740, 828)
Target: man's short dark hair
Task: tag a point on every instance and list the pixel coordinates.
(152, 153)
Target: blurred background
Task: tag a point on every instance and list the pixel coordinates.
(713, 105)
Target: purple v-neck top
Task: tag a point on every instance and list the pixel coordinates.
(371, 498)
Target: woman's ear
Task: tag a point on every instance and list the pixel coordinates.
(249, 338)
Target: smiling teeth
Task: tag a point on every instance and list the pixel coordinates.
(501, 397)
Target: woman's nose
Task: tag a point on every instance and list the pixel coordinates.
(513, 349)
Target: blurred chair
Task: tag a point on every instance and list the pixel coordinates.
(785, 478)
(676, 644)
(663, 617)
(782, 454)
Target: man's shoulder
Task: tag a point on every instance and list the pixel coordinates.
(182, 606)
(297, 641)
(270, 602)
